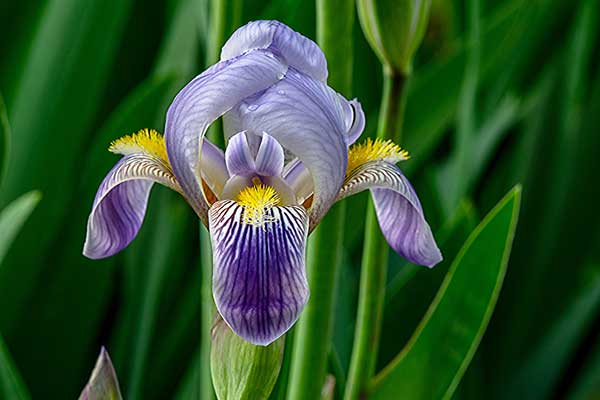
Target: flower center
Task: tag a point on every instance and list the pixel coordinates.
(371, 150)
(257, 200)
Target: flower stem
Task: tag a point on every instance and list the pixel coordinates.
(218, 18)
(314, 331)
(375, 257)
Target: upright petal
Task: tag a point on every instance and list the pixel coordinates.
(297, 50)
(308, 119)
(399, 211)
(356, 123)
(238, 157)
(259, 280)
(212, 165)
(120, 203)
(203, 100)
(270, 157)
(298, 178)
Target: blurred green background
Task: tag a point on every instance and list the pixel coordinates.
(508, 95)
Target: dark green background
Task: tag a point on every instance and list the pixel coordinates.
(512, 96)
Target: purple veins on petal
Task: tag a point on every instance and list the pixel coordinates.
(120, 203)
(203, 100)
(297, 50)
(259, 280)
(399, 211)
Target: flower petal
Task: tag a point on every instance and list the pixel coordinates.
(297, 50)
(203, 100)
(238, 157)
(120, 203)
(298, 178)
(398, 209)
(259, 280)
(270, 157)
(308, 119)
(212, 165)
(357, 122)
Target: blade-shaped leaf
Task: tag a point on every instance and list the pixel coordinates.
(13, 217)
(58, 92)
(103, 384)
(436, 357)
(538, 376)
(4, 137)
(11, 383)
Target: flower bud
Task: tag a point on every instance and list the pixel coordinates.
(103, 384)
(241, 370)
(394, 29)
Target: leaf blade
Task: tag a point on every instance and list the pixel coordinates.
(13, 217)
(407, 376)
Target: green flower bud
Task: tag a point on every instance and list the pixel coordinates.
(241, 370)
(103, 384)
(394, 29)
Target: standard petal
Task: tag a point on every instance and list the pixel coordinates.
(297, 50)
(398, 209)
(202, 101)
(238, 157)
(120, 203)
(298, 178)
(308, 119)
(212, 165)
(259, 279)
(356, 123)
(270, 157)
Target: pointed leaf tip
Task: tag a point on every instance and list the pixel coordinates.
(103, 384)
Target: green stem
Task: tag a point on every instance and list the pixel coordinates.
(217, 24)
(314, 331)
(207, 311)
(375, 256)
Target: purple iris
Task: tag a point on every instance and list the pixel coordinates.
(288, 159)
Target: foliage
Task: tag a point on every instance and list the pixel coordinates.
(504, 94)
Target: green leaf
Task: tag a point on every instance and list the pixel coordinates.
(4, 138)
(13, 217)
(433, 362)
(412, 288)
(539, 374)
(11, 383)
(57, 95)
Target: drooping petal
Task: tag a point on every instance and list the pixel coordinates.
(120, 203)
(203, 100)
(270, 157)
(399, 211)
(297, 50)
(238, 157)
(259, 279)
(308, 119)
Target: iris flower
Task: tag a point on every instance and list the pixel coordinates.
(289, 158)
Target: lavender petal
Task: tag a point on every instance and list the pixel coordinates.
(297, 50)
(399, 211)
(120, 203)
(308, 119)
(270, 157)
(238, 157)
(203, 100)
(259, 280)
